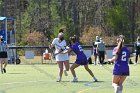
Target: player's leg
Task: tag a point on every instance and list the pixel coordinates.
(90, 72)
(122, 79)
(66, 67)
(115, 83)
(103, 56)
(60, 64)
(74, 65)
(136, 59)
(100, 57)
(5, 64)
(95, 59)
(1, 65)
(139, 56)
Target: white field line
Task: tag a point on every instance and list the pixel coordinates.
(23, 82)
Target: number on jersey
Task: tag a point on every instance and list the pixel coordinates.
(80, 48)
(123, 56)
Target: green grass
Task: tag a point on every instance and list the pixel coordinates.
(42, 79)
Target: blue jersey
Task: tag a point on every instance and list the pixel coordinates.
(121, 64)
(81, 57)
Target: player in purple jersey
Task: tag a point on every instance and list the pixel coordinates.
(121, 55)
(80, 60)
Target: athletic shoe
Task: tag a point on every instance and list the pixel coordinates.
(95, 79)
(75, 80)
(135, 63)
(4, 70)
(65, 72)
(58, 80)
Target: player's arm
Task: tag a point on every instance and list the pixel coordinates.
(117, 51)
(68, 50)
(52, 44)
(113, 59)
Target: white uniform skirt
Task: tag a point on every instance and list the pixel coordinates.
(62, 57)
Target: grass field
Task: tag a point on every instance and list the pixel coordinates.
(42, 79)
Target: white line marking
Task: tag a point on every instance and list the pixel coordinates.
(23, 82)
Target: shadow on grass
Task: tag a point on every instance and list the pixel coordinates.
(84, 81)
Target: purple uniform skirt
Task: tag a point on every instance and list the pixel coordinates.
(121, 70)
(81, 61)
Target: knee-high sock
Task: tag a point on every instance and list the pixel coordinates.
(121, 88)
(116, 88)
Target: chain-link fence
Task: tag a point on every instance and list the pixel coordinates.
(42, 54)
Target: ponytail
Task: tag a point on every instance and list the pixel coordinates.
(119, 47)
(120, 43)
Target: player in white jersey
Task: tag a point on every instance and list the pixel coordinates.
(62, 59)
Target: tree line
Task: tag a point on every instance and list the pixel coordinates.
(41, 19)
